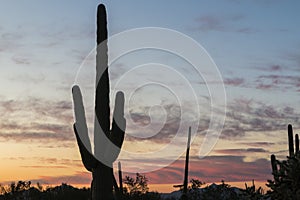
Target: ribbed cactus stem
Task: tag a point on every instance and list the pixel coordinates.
(297, 143)
(291, 140)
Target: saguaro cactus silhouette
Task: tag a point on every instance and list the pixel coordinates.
(293, 151)
(286, 173)
(107, 143)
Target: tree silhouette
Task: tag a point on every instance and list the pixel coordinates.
(139, 185)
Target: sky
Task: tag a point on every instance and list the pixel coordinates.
(47, 46)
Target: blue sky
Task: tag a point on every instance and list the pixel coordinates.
(255, 45)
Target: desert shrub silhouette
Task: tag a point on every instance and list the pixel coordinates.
(137, 189)
(23, 190)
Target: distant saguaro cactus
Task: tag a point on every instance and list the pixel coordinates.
(293, 151)
(107, 143)
(286, 183)
(186, 169)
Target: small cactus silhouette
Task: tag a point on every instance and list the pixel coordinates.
(186, 169)
(120, 178)
(107, 143)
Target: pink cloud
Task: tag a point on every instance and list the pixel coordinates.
(214, 169)
(234, 81)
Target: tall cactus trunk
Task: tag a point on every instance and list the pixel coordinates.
(102, 174)
(186, 170)
(107, 142)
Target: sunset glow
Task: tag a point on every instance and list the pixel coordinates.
(254, 44)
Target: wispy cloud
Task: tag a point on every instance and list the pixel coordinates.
(37, 137)
(214, 169)
(227, 23)
(258, 144)
(9, 42)
(28, 78)
(48, 161)
(165, 129)
(282, 82)
(47, 121)
(245, 115)
(241, 151)
(234, 81)
(269, 77)
(271, 68)
(246, 30)
(21, 60)
(209, 22)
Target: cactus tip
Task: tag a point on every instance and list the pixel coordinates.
(101, 6)
(120, 94)
(75, 88)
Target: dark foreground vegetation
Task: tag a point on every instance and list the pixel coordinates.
(135, 189)
(23, 190)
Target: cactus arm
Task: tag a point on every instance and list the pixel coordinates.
(291, 141)
(297, 143)
(80, 120)
(81, 131)
(88, 160)
(274, 163)
(274, 167)
(118, 125)
(117, 135)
